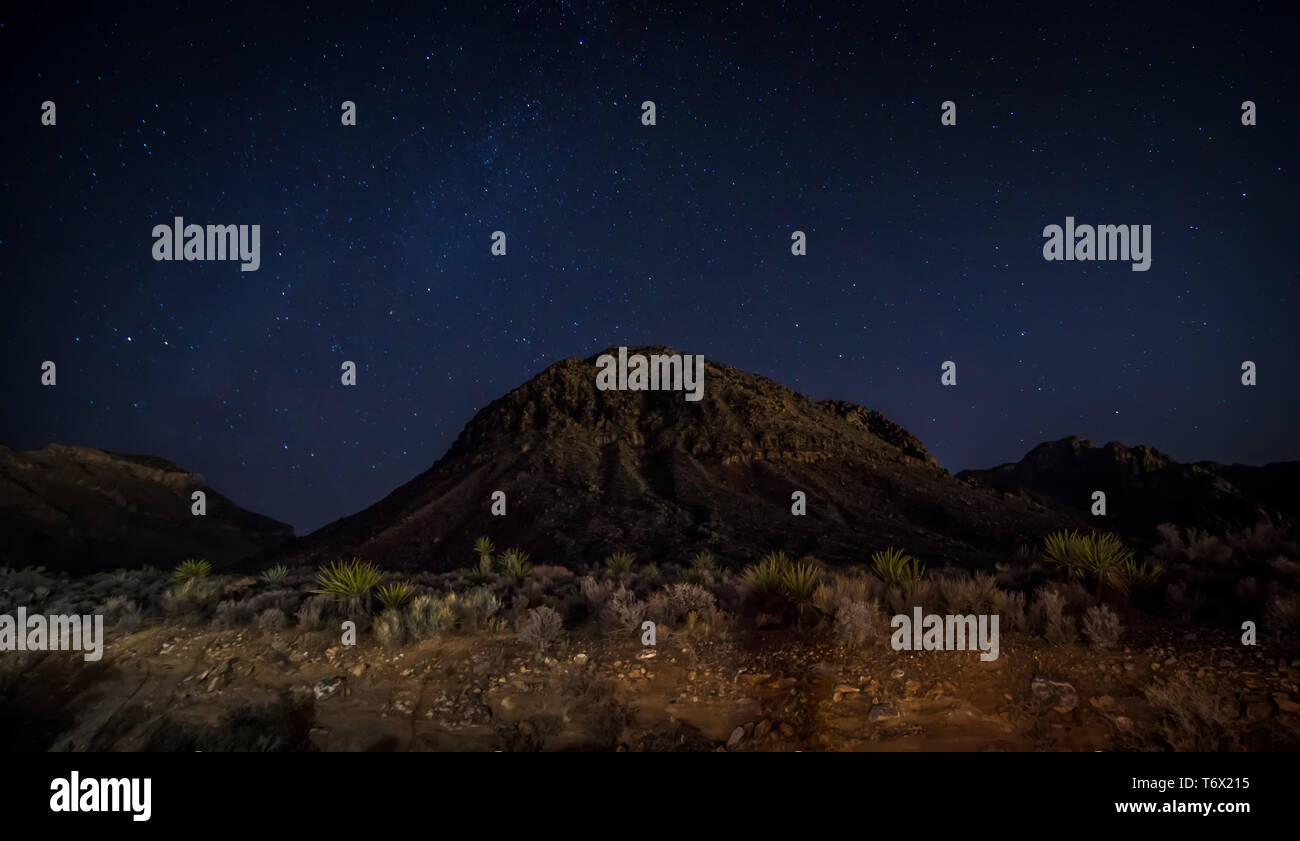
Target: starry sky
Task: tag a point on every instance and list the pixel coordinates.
(924, 241)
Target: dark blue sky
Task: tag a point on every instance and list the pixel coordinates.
(925, 242)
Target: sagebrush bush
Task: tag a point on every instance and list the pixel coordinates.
(311, 616)
(475, 609)
(271, 619)
(232, 613)
(1010, 608)
(1101, 627)
(963, 594)
(540, 627)
(427, 615)
(388, 628)
(1192, 716)
(1051, 620)
(681, 600)
(624, 611)
(1281, 613)
(858, 623)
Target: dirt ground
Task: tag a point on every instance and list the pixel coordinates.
(172, 687)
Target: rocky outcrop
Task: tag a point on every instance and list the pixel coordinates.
(586, 472)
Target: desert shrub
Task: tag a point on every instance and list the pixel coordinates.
(1050, 618)
(681, 600)
(284, 600)
(624, 611)
(232, 614)
(914, 592)
(427, 615)
(964, 594)
(122, 614)
(1101, 627)
(1191, 716)
(766, 578)
(895, 567)
(388, 628)
(311, 616)
(190, 599)
(191, 569)
(393, 596)
(540, 626)
(475, 609)
(350, 582)
(1281, 612)
(619, 564)
(858, 623)
(271, 619)
(650, 576)
(595, 593)
(1181, 603)
(276, 575)
(1010, 608)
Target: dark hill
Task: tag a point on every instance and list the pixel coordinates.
(587, 472)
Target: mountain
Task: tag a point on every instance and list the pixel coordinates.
(587, 472)
(1144, 487)
(80, 509)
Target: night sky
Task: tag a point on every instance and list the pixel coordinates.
(924, 241)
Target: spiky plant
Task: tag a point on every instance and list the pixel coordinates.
(514, 563)
(191, 569)
(393, 596)
(276, 575)
(485, 548)
(895, 567)
(765, 578)
(705, 562)
(480, 573)
(799, 582)
(619, 564)
(348, 581)
(1102, 558)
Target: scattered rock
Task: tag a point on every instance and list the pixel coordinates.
(1056, 693)
(882, 711)
(737, 736)
(329, 687)
(580, 659)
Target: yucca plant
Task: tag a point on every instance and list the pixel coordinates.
(765, 578)
(895, 567)
(619, 564)
(276, 575)
(705, 562)
(349, 582)
(1102, 558)
(485, 549)
(482, 572)
(799, 582)
(393, 596)
(514, 563)
(191, 569)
